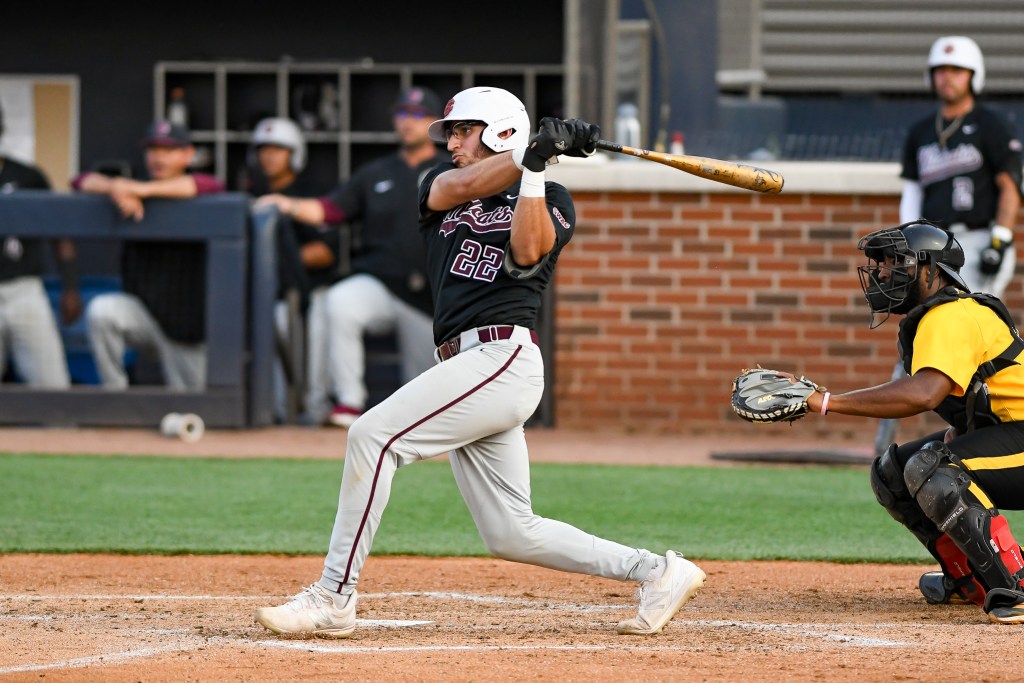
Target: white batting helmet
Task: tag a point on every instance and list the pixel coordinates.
(958, 51)
(499, 109)
(283, 133)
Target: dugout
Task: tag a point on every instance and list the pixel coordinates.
(240, 289)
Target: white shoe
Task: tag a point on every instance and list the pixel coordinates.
(311, 612)
(660, 599)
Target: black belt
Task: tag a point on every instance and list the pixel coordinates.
(487, 334)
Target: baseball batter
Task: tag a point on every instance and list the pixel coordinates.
(493, 228)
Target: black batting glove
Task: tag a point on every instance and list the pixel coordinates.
(992, 254)
(584, 138)
(553, 138)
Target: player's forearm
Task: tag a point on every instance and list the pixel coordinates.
(899, 398)
(1009, 201)
(95, 183)
(481, 179)
(533, 234)
(910, 201)
(182, 187)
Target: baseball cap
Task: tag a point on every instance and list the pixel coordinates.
(418, 100)
(166, 134)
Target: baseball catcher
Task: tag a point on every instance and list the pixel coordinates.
(962, 355)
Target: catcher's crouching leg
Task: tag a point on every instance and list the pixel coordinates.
(941, 489)
(956, 578)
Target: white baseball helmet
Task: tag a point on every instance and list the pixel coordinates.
(283, 133)
(499, 109)
(958, 51)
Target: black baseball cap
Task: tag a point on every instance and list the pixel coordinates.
(418, 100)
(166, 134)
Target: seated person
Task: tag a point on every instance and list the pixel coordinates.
(159, 310)
(307, 253)
(28, 328)
(388, 289)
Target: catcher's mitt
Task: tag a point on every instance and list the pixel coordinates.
(764, 396)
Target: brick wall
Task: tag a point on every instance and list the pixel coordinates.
(663, 297)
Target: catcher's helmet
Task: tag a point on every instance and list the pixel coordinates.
(499, 109)
(899, 251)
(957, 51)
(283, 133)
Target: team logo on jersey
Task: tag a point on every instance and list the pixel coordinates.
(473, 216)
(383, 186)
(560, 218)
(935, 163)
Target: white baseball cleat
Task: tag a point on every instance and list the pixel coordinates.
(661, 598)
(312, 612)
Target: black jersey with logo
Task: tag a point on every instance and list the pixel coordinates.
(20, 257)
(381, 199)
(958, 181)
(465, 255)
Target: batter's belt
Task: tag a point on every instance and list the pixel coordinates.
(483, 335)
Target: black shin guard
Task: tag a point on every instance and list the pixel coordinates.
(891, 492)
(983, 535)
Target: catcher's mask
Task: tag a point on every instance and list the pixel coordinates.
(889, 279)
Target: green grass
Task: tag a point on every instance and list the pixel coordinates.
(209, 505)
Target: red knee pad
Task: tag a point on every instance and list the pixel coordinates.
(954, 564)
(1007, 547)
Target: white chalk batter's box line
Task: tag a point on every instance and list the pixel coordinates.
(826, 632)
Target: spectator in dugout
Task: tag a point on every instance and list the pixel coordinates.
(28, 328)
(162, 308)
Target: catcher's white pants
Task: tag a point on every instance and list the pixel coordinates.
(28, 331)
(973, 243)
(361, 304)
(473, 405)
(119, 320)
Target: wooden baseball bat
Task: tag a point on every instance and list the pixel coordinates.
(737, 175)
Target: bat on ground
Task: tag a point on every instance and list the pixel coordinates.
(737, 175)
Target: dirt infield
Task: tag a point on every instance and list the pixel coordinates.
(132, 618)
(79, 618)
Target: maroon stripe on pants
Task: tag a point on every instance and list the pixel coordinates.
(383, 452)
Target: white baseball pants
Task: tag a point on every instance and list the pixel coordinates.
(361, 304)
(119, 320)
(473, 405)
(28, 332)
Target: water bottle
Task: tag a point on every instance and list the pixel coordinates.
(177, 108)
(627, 127)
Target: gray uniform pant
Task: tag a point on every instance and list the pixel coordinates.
(28, 331)
(473, 405)
(117, 321)
(361, 304)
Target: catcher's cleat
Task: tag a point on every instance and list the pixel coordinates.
(313, 612)
(939, 589)
(661, 598)
(1005, 606)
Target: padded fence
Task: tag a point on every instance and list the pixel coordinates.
(240, 288)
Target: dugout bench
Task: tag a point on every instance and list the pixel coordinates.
(241, 283)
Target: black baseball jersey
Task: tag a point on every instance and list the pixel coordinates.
(958, 181)
(465, 254)
(20, 257)
(381, 198)
(303, 233)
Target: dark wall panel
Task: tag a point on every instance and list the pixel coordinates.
(113, 46)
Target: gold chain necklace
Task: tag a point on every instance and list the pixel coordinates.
(946, 133)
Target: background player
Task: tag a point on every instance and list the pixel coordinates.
(962, 170)
(494, 229)
(387, 289)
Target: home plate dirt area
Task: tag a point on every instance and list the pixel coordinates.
(146, 618)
